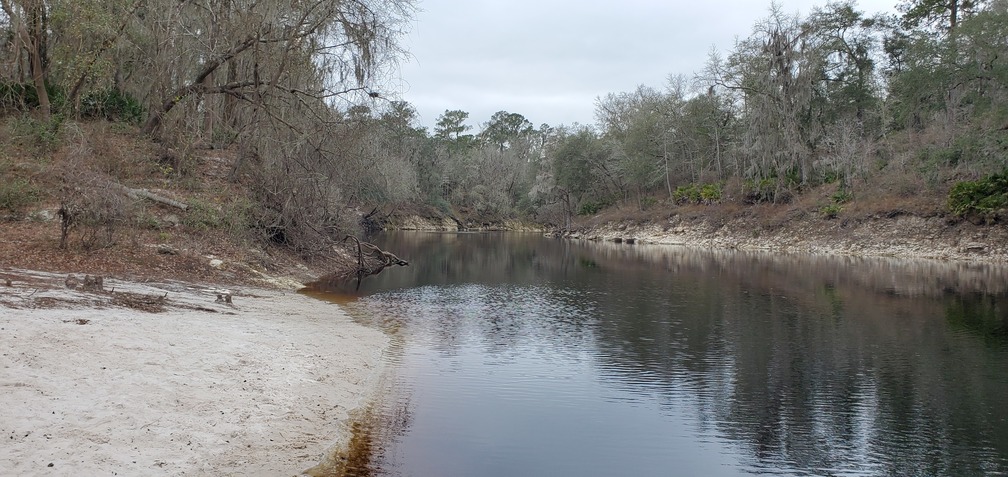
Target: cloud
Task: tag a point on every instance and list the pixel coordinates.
(549, 59)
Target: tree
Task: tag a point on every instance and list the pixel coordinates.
(451, 126)
(846, 41)
(30, 25)
(937, 12)
(772, 77)
(504, 128)
(574, 164)
(318, 50)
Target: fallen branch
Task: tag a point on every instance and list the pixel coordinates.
(371, 260)
(146, 194)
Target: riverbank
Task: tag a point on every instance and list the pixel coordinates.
(771, 228)
(900, 236)
(167, 378)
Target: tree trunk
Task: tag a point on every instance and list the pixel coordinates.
(953, 14)
(31, 32)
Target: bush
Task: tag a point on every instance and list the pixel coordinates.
(984, 198)
(23, 97)
(590, 208)
(43, 136)
(234, 216)
(762, 190)
(17, 97)
(17, 194)
(203, 215)
(830, 211)
(696, 194)
(842, 196)
(710, 193)
(686, 194)
(113, 105)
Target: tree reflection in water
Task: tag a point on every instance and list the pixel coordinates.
(789, 363)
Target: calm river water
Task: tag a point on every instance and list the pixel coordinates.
(527, 356)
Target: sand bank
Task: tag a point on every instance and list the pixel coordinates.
(261, 387)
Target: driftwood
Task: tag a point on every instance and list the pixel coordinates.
(371, 260)
(146, 194)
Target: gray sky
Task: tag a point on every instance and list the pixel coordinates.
(550, 59)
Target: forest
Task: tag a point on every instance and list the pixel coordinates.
(879, 109)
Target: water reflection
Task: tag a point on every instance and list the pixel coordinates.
(565, 357)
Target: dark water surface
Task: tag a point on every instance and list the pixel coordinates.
(526, 356)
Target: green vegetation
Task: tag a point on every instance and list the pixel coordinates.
(697, 194)
(984, 198)
(112, 105)
(17, 194)
(876, 104)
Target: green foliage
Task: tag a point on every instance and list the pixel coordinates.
(17, 194)
(590, 207)
(17, 97)
(842, 196)
(40, 134)
(113, 105)
(572, 162)
(830, 211)
(234, 216)
(203, 215)
(696, 194)
(761, 190)
(984, 198)
(686, 194)
(442, 205)
(22, 97)
(710, 193)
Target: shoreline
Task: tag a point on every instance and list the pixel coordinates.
(904, 237)
(268, 385)
(775, 230)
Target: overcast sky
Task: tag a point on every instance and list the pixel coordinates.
(550, 59)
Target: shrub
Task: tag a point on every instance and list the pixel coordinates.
(590, 208)
(842, 196)
(984, 198)
(17, 194)
(42, 135)
(710, 193)
(113, 105)
(234, 216)
(696, 194)
(17, 97)
(686, 194)
(203, 215)
(23, 97)
(830, 211)
(761, 190)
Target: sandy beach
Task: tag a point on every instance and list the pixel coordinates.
(263, 386)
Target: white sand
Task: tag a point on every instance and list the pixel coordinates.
(264, 391)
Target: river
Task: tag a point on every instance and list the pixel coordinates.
(522, 355)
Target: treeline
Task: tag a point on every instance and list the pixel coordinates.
(881, 107)
(892, 104)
